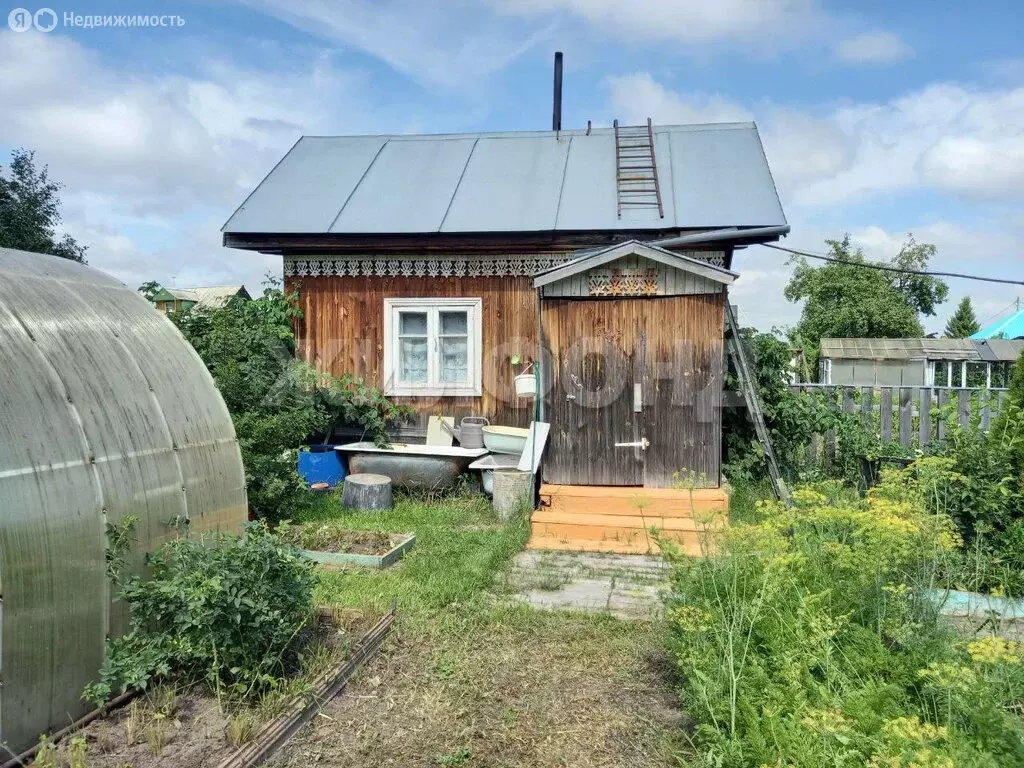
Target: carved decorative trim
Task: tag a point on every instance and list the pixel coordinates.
(619, 282)
(518, 265)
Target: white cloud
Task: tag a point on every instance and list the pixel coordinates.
(639, 96)
(447, 44)
(154, 164)
(948, 137)
(977, 165)
(878, 47)
(687, 21)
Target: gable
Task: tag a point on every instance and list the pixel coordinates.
(635, 269)
(632, 275)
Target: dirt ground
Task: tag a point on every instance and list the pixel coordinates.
(530, 690)
(328, 538)
(191, 735)
(980, 626)
(167, 726)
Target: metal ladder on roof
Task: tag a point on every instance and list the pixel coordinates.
(636, 169)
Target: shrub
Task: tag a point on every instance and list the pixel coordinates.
(974, 479)
(275, 401)
(791, 418)
(806, 639)
(227, 610)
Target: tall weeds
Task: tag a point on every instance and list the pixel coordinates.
(807, 639)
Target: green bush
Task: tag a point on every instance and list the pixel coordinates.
(226, 610)
(791, 418)
(806, 640)
(275, 401)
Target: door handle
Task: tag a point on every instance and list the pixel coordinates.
(643, 444)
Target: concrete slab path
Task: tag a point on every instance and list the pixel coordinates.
(624, 586)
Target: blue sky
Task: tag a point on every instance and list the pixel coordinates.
(878, 118)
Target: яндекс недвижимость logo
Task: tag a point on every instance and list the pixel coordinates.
(22, 20)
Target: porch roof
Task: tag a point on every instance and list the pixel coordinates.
(592, 259)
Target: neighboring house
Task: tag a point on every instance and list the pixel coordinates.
(1010, 327)
(918, 362)
(426, 263)
(211, 297)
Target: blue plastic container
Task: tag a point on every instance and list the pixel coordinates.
(320, 464)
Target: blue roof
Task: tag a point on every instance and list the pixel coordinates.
(1011, 327)
(711, 176)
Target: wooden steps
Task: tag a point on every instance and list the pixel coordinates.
(619, 519)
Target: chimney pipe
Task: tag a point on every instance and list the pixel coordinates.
(556, 115)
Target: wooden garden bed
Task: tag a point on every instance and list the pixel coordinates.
(334, 546)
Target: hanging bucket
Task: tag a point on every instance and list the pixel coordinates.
(526, 385)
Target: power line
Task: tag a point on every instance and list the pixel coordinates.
(888, 268)
(1013, 305)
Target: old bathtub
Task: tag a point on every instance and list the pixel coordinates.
(413, 466)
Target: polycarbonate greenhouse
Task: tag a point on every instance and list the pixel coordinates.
(105, 412)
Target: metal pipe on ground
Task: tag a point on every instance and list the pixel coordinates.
(303, 709)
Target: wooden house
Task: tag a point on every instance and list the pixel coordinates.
(959, 363)
(207, 297)
(426, 264)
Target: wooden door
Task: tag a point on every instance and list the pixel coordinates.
(591, 399)
(636, 371)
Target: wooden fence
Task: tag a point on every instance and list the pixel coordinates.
(908, 415)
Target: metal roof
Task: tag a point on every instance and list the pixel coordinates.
(920, 349)
(1000, 350)
(711, 176)
(184, 294)
(596, 258)
(215, 296)
(1010, 327)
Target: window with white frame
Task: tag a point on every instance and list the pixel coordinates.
(432, 347)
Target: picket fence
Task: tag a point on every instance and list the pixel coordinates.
(908, 415)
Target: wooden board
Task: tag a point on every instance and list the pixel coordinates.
(438, 435)
(595, 519)
(533, 451)
(602, 350)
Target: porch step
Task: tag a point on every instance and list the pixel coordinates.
(629, 500)
(617, 519)
(639, 545)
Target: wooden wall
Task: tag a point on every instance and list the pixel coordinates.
(342, 331)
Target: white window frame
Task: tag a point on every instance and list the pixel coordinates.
(434, 387)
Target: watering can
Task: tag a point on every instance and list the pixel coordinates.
(470, 433)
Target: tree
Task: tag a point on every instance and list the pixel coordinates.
(30, 210)
(923, 292)
(848, 298)
(962, 323)
(150, 289)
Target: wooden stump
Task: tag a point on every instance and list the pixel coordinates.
(366, 491)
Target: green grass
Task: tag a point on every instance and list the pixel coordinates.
(461, 547)
(470, 677)
(743, 498)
